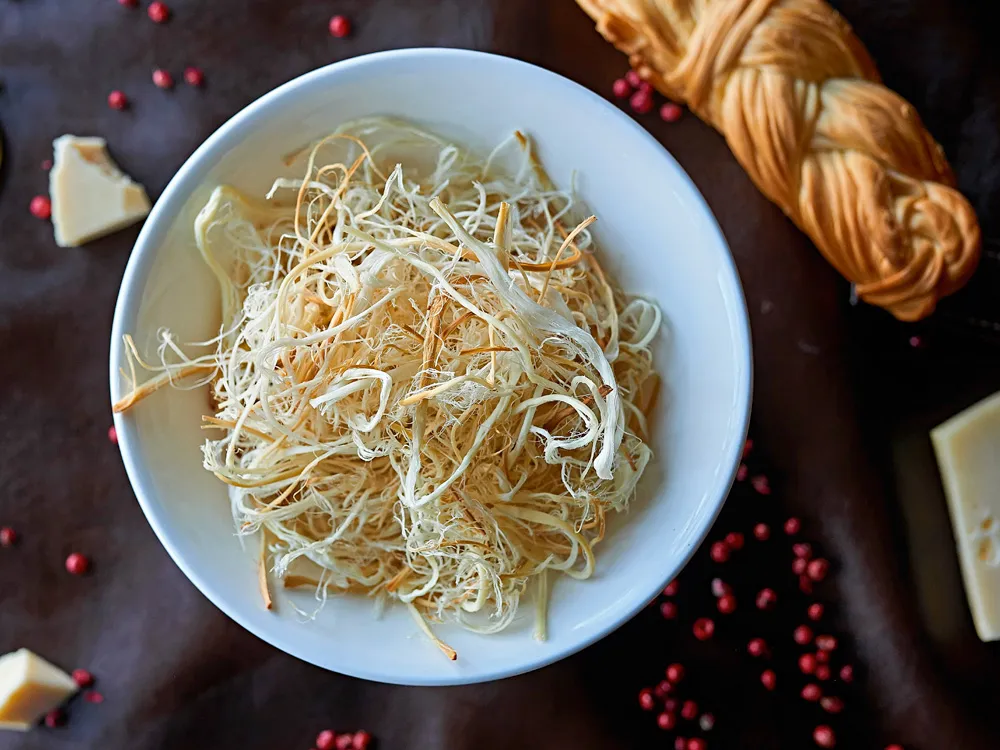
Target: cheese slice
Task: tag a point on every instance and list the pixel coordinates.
(968, 453)
(30, 687)
(91, 196)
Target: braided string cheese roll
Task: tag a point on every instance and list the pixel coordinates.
(802, 107)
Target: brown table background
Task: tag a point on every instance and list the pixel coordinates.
(842, 408)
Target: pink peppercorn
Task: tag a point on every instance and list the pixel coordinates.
(670, 705)
(823, 672)
(757, 647)
(663, 689)
(803, 634)
(670, 112)
(706, 722)
(696, 743)
(826, 643)
(621, 88)
(818, 569)
(916, 342)
(194, 76)
(703, 628)
(761, 484)
(799, 566)
(162, 79)
(8, 537)
(832, 704)
(117, 100)
(720, 588)
(668, 610)
(893, 747)
(824, 736)
(807, 664)
(689, 711)
(815, 612)
(680, 743)
(847, 673)
(641, 102)
(735, 540)
(762, 532)
(666, 721)
(326, 740)
(802, 549)
(340, 27)
(766, 599)
(83, 678)
(646, 700)
(747, 447)
(128, 3)
(726, 604)
(675, 673)
(632, 79)
(47, 165)
(720, 552)
(361, 740)
(158, 12)
(805, 584)
(55, 718)
(768, 679)
(113, 435)
(92, 696)
(40, 207)
(742, 472)
(793, 526)
(670, 589)
(77, 564)
(811, 693)
(823, 657)
(344, 742)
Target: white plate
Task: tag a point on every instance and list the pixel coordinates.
(658, 237)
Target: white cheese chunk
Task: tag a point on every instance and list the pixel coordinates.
(968, 453)
(30, 687)
(91, 197)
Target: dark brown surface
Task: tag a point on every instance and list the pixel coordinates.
(840, 400)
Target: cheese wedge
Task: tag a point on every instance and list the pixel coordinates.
(968, 453)
(91, 196)
(30, 687)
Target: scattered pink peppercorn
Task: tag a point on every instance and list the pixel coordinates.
(632, 79)
(8, 537)
(823, 657)
(812, 692)
(703, 628)
(675, 673)
(340, 27)
(41, 207)
(117, 100)
(670, 704)
(747, 447)
(680, 743)
(762, 532)
(92, 696)
(128, 3)
(83, 678)
(916, 342)
(761, 484)
(55, 718)
(824, 736)
(670, 589)
(47, 165)
(194, 76)
(766, 599)
(668, 610)
(832, 704)
(799, 566)
(158, 12)
(847, 673)
(768, 679)
(666, 721)
(818, 569)
(344, 742)
(823, 672)
(726, 604)
(757, 647)
(689, 711)
(815, 612)
(807, 664)
(803, 550)
(706, 722)
(742, 472)
(720, 552)
(793, 526)
(113, 434)
(646, 700)
(77, 564)
(670, 112)
(162, 79)
(803, 635)
(641, 102)
(735, 540)
(826, 643)
(805, 584)
(663, 689)
(893, 747)
(361, 740)
(621, 89)
(720, 588)
(696, 743)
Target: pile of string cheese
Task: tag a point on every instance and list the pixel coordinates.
(426, 385)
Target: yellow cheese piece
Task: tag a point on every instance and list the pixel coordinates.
(968, 453)
(91, 197)
(30, 687)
